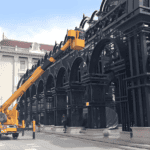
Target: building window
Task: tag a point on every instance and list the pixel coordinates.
(22, 65)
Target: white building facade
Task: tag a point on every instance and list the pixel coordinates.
(14, 61)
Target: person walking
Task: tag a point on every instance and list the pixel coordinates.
(84, 123)
(64, 122)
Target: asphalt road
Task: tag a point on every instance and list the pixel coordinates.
(47, 141)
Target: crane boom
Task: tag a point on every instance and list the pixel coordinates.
(73, 41)
(38, 72)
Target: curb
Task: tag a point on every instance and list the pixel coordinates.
(105, 140)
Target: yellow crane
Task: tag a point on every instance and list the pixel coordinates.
(9, 118)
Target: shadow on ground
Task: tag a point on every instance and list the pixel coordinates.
(5, 137)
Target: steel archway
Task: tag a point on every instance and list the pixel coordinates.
(100, 46)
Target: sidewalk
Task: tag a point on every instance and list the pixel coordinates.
(95, 135)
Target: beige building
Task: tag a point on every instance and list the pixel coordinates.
(15, 58)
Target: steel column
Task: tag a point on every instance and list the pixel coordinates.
(144, 59)
(133, 92)
(139, 101)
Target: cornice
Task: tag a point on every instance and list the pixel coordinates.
(21, 53)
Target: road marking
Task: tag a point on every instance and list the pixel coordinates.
(64, 138)
(31, 149)
(35, 146)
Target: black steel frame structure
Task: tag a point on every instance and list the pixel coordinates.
(112, 70)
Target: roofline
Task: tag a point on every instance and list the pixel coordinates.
(25, 41)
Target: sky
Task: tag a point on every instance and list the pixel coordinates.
(43, 21)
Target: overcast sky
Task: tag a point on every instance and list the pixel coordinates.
(43, 21)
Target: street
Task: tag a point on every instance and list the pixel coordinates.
(47, 141)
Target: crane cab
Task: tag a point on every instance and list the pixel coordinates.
(78, 42)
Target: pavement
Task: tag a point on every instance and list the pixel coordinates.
(51, 138)
(97, 135)
(49, 141)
